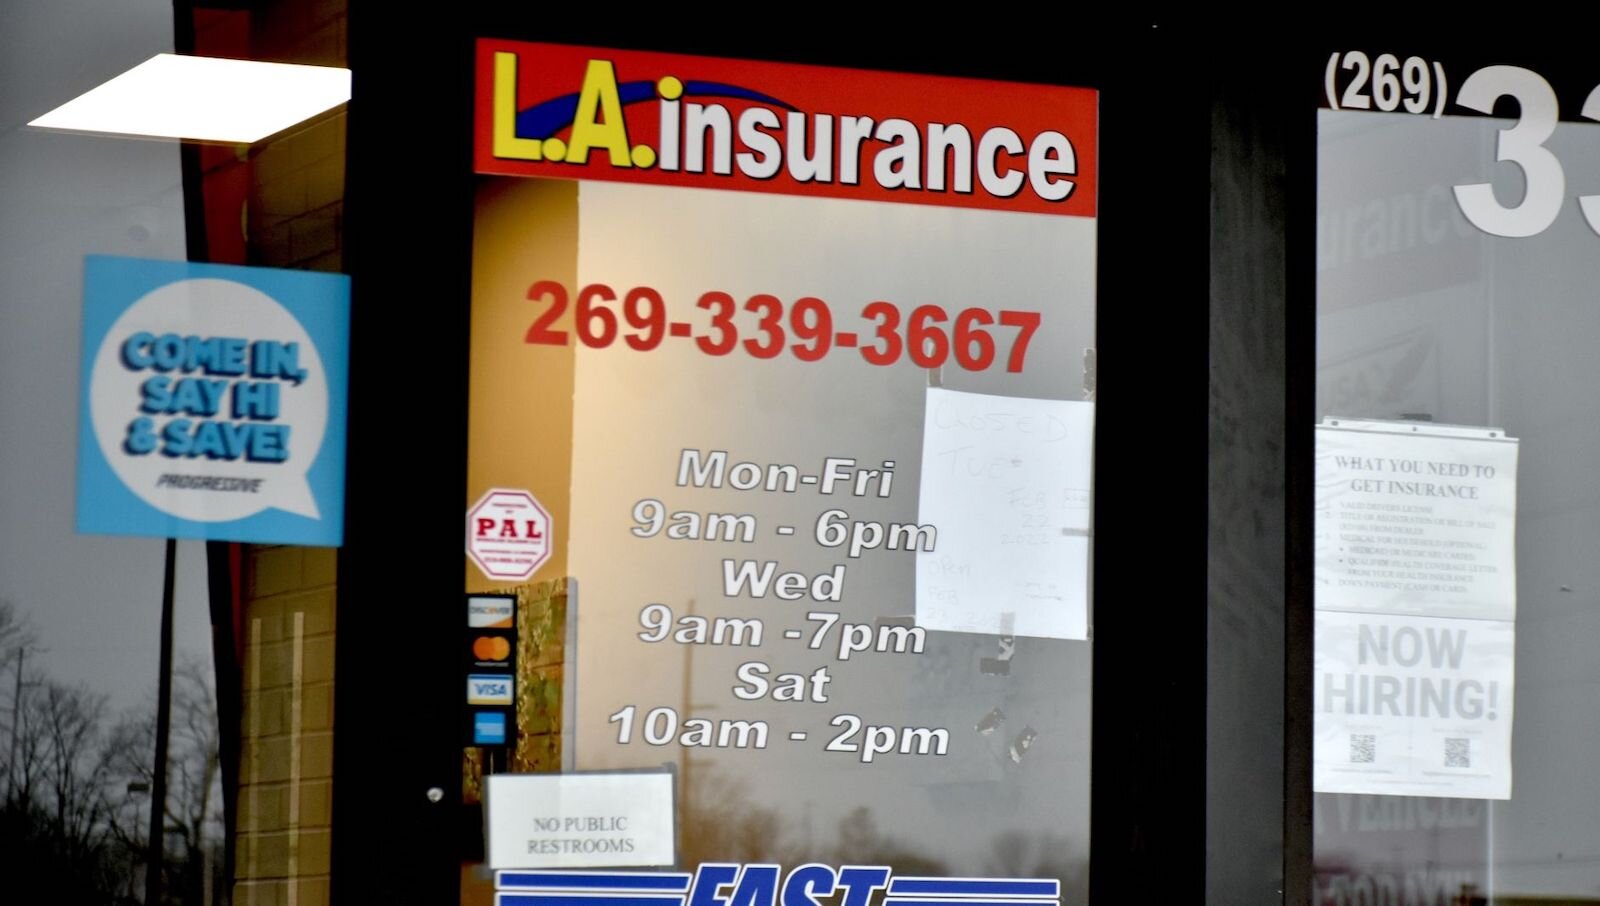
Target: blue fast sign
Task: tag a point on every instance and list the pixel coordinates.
(722, 884)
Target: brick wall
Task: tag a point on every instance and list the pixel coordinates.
(286, 774)
(286, 204)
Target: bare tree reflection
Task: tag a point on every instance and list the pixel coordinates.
(720, 823)
(193, 823)
(77, 783)
(58, 817)
(861, 843)
(1022, 854)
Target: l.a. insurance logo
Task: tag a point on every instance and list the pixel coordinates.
(589, 113)
(487, 689)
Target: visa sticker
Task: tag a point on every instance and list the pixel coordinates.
(488, 690)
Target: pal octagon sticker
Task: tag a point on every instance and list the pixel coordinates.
(509, 535)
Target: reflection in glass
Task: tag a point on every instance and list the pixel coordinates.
(1424, 320)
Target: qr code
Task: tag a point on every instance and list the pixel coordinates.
(1457, 753)
(1363, 748)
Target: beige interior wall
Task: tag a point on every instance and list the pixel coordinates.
(519, 431)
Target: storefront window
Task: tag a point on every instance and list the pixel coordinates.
(169, 471)
(758, 400)
(1456, 513)
(778, 490)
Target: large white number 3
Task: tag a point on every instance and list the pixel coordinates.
(1523, 145)
(1591, 203)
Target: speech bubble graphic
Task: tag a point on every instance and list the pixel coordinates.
(210, 402)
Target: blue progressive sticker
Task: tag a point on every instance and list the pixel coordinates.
(213, 402)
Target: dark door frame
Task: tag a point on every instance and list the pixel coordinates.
(1194, 396)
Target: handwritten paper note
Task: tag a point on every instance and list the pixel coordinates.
(1006, 482)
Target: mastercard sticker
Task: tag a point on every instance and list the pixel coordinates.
(491, 648)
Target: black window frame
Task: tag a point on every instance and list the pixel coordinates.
(1204, 195)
